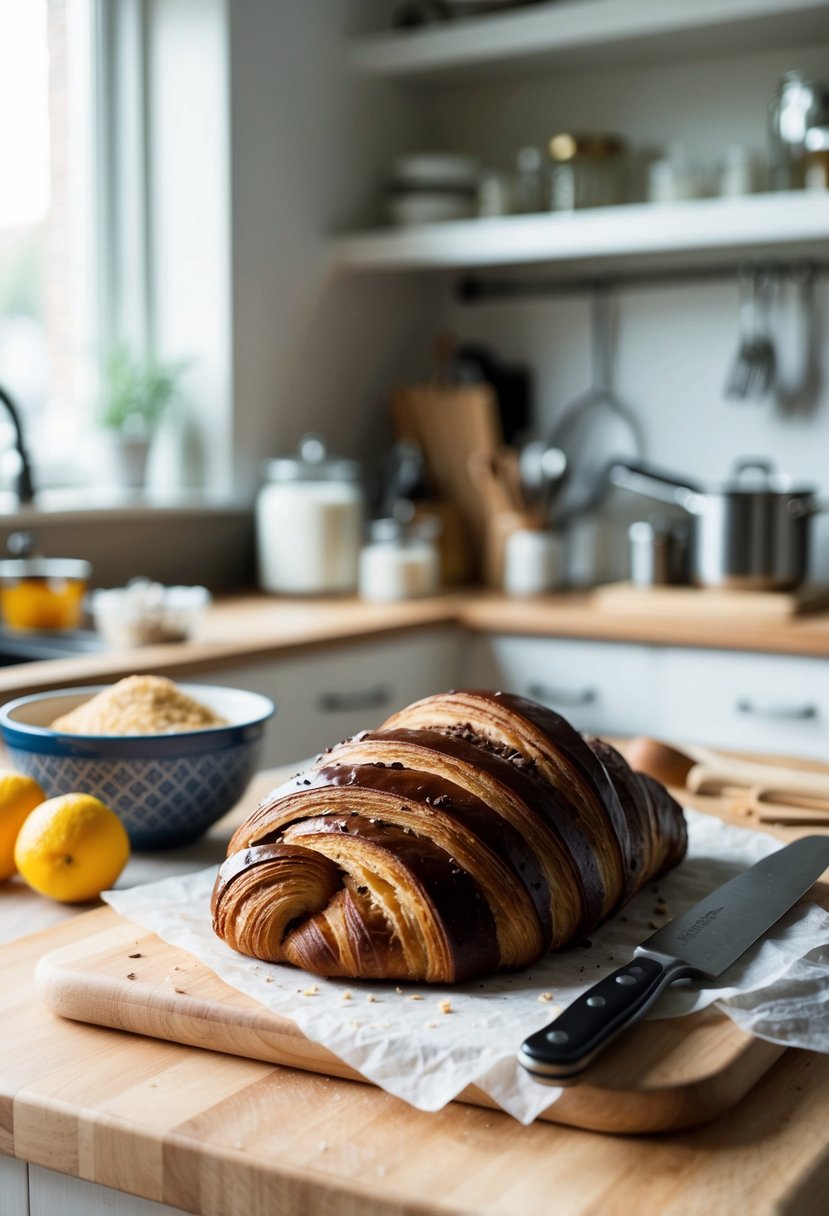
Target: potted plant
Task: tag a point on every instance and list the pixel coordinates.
(138, 392)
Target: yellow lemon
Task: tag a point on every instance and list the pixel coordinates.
(19, 796)
(72, 848)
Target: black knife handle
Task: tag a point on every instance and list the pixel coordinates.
(562, 1050)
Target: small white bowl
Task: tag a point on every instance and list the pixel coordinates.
(144, 613)
(447, 170)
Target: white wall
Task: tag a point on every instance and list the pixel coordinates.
(310, 142)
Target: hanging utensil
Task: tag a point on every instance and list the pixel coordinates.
(799, 370)
(597, 429)
(753, 370)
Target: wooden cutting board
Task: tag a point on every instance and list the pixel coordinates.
(661, 1076)
(709, 603)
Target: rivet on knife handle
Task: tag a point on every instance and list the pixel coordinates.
(563, 1049)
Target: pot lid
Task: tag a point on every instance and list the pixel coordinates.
(45, 568)
(751, 477)
(311, 463)
(756, 475)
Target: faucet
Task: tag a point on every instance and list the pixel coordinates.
(25, 487)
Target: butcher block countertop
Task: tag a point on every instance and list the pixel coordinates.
(269, 626)
(224, 1136)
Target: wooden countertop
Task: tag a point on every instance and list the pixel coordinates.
(275, 1139)
(268, 626)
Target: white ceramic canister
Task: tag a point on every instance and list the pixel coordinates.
(532, 562)
(309, 522)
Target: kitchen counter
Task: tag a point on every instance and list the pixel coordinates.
(274, 1139)
(269, 626)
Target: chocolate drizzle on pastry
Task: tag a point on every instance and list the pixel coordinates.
(471, 832)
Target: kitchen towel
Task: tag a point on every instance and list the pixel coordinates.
(425, 1044)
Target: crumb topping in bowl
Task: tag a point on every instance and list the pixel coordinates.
(139, 705)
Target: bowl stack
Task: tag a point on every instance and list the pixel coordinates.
(432, 187)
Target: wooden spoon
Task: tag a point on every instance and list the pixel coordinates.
(659, 760)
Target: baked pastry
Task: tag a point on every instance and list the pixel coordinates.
(471, 832)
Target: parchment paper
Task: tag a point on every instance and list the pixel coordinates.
(425, 1044)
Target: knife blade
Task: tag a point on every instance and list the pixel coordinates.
(704, 941)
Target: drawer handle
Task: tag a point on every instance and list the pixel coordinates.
(569, 698)
(351, 702)
(777, 709)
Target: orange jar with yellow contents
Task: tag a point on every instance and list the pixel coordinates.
(43, 592)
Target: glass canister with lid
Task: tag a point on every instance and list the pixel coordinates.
(309, 521)
(400, 561)
(585, 171)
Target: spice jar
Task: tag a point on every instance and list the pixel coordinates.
(586, 171)
(309, 521)
(400, 562)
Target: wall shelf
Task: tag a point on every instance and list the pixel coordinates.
(765, 225)
(580, 32)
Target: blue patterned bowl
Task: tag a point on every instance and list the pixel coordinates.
(166, 789)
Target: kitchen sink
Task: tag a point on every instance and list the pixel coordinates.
(17, 646)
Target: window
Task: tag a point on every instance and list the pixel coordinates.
(47, 253)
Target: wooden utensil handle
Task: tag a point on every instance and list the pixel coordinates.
(791, 816)
(765, 776)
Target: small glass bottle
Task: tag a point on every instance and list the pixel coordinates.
(528, 182)
(493, 195)
(797, 104)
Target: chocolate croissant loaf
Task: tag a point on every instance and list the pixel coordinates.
(471, 832)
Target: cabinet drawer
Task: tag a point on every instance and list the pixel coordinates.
(328, 694)
(598, 686)
(754, 702)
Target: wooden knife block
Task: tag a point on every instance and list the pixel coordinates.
(449, 423)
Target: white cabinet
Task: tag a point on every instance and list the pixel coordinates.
(30, 1190)
(327, 694)
(606, 687)
(747, 701)
(755, 702)
(14, 1187)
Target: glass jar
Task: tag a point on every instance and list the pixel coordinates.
(309, 522)
(400, 562)
(528, 182)
(586, 171)
(797, 104)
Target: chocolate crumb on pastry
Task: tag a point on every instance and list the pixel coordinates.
(471, 832)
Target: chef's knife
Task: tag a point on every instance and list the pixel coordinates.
(704, 941)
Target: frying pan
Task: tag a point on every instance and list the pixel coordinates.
(594, 431)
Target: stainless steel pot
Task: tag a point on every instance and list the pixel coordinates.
(751, 534)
